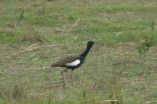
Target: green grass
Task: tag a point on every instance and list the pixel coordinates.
(47, 31)
(131, 19)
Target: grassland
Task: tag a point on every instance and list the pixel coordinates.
(121, 66)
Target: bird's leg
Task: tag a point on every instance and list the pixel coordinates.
(72, 77)
(65, 71)
(63, 78)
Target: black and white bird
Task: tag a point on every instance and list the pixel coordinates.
(73, 62)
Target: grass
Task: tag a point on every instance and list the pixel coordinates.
(48, 31)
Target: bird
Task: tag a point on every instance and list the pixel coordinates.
(13, 25)
(73, 62)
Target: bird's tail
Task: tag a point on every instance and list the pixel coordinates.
(54, 65)
(58, 64)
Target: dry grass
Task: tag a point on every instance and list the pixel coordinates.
(98, 81)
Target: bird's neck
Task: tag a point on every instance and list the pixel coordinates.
(86, 51)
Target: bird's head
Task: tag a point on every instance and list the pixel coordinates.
(90, 43)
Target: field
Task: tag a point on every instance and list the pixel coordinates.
(120, 69)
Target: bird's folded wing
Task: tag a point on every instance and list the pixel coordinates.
(63, 62)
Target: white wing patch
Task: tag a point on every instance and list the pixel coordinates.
(74, 63)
